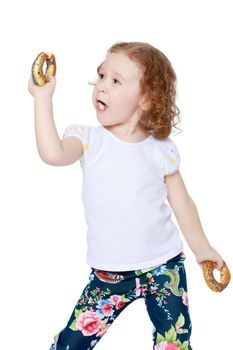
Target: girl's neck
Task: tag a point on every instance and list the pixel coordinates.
(129, 134)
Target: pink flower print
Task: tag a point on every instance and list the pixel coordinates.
(115, 299)
(120, 304)
(151, 279)
(164, 345)
(153, 288)
(144, 291)
(81, 302)
(88, 323)
(138, 285)
(97, 289)
(105, 307)
(185, 299)
(182, 254)
(85, 293)
(103, 330)
(90, 300)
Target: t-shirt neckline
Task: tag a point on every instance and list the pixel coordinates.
(125, 142)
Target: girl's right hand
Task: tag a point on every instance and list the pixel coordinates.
(212, 255)
(46, 90)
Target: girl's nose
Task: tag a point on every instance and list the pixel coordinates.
(101, 86)
(101, 89)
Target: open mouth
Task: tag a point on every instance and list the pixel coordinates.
(101, 105)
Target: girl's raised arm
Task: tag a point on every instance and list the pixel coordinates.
(51, 149)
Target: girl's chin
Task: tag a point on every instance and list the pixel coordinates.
(105, 122)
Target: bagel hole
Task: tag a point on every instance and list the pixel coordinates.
(216, 274)
(44, 67)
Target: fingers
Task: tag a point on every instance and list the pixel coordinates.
(51, 78)
(30, 85)
(219, 263)
(216, 258)
(30, 80)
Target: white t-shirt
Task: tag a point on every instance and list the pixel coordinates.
(129, 224)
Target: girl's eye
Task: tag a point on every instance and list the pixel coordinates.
(101, 77)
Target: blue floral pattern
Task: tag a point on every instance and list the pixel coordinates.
(108, 293)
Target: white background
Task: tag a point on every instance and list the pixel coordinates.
(43, 232)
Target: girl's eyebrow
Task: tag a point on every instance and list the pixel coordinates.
(114, 72)
(118, 74)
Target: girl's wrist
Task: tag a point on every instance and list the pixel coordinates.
(202, 250)
(43, 98)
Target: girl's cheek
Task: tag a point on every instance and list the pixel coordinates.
(93, 97)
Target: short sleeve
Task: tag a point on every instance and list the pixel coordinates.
(171, 156)
(76, 130)
(82, 133)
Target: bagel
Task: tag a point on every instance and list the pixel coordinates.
(225, 276)
(39, 78)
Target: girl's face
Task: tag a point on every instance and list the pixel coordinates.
(116, 96)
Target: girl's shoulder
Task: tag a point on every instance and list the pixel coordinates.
(90, 138)
(80, 130)
(170, 155)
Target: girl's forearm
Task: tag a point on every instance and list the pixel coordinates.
(190, 225)
(47, 139)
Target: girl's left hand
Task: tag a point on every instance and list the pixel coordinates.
(212, 255)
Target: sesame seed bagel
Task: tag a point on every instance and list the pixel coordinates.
(38, 76)
(225, 276)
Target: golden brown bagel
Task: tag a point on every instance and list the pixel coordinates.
(225, 276)
(38, 76)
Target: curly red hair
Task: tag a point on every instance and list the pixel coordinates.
(158, 85)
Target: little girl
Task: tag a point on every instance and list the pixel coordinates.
(130, 167)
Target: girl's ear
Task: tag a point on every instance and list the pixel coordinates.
(144, 103)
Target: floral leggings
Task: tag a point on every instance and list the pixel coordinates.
(107, 294)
